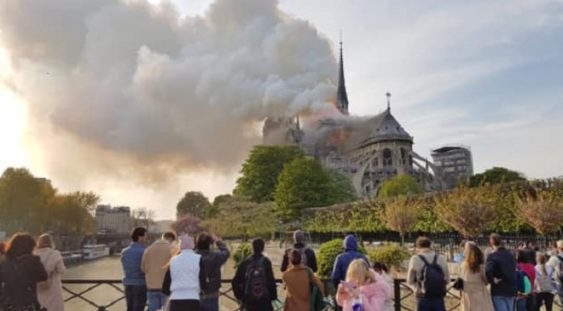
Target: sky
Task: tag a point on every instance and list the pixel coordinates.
(486, 74)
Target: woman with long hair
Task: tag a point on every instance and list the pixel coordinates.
(474, 296)
(297, 280)
(526, 301)
(20, 273)
(50, 292)
(545, 287)
(363, 286)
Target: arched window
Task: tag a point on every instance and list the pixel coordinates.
(387, 157)
(403, 156)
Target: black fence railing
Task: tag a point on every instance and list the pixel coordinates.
(403, 299)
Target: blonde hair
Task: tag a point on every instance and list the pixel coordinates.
(359, 273)
(44, 241)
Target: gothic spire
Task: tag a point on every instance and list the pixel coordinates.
(341, 95)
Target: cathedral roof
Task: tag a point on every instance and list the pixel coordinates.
(387, 128)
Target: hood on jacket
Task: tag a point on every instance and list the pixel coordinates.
(379, 288)
(350, 243)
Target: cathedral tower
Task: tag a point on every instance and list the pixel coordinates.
(341, 94)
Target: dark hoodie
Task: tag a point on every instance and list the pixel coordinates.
(343, 260)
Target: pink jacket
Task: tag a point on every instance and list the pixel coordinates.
(373, 295)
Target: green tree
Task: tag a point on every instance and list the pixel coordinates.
(468, 210)
(32, 204)
(495, 175)
(24, 201)
(261, 169)
(237, 218)
(217, 202)
(342, 188)
(399, 185)
(542, 209)
(401, 215)
(303, 183)
(222, 198)
(71, 214)
(193, 203)
(243, 252)
(392, 255)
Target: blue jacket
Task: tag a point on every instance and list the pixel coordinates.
(343, 260)
(131, 261)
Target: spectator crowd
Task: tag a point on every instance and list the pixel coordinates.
(183, 273)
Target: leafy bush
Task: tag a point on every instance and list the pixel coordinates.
(327, 253)
(244, 251)
(392, 255)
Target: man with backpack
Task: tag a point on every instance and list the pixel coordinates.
(254, 284)
(308, 257)
(428, 274)
(500, 269)
(556, 262)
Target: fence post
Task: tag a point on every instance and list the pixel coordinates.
(397, 294)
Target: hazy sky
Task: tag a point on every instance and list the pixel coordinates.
(487, 74)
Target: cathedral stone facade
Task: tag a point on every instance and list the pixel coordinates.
(369, 151)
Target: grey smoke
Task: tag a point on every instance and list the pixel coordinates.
(148, 84)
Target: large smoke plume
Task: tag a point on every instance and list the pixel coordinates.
(133, 80)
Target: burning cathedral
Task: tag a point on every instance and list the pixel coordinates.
(368, 150)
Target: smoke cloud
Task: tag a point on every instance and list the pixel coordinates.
(131, 80)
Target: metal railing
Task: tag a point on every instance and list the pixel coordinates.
(404, 296)
(91, 285)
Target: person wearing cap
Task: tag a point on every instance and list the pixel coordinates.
(308, 257)
(184, 278)
(556, 262)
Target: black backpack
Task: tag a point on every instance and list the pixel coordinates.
(256, 288)
(432, 279)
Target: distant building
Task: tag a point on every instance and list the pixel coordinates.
(455, 163)
(113, 219)
(161, 226)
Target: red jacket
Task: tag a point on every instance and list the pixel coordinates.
(530, 271)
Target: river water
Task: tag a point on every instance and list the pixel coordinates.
(110, 268)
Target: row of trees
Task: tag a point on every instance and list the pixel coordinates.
(284, 175)
(503, 207)
(277, 183)
(33, 204)
(280, 185)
